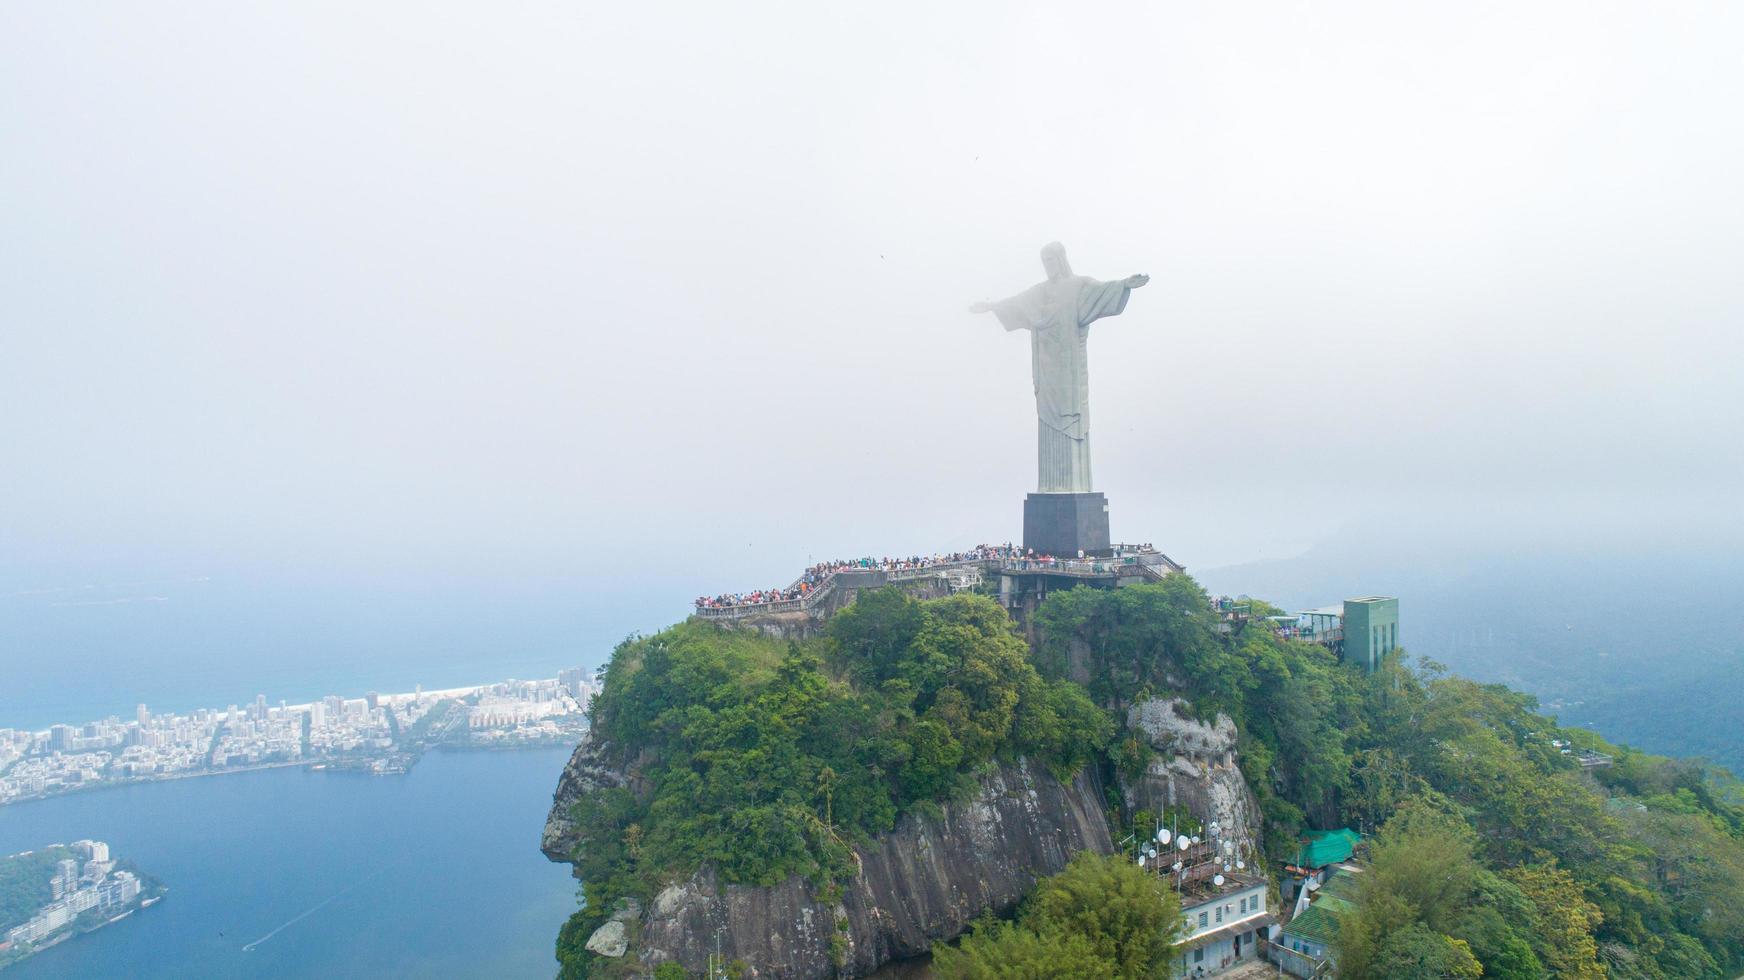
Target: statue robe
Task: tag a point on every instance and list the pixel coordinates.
(1058, 314)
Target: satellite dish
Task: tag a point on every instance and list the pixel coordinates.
(1182, 843)
(1241, 865)
(1150, 852)
(1214, 826)
(1229, 847)
(1163, 836)
(1217, 880)
(1177, 865)
(1141, 860)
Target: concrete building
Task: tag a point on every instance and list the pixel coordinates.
(1304, 947)
(574, 680)
(119, 890)
(1371, 630)
(1223, 926)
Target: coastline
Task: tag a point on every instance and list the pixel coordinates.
(334, 765)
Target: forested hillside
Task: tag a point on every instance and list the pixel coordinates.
(1643, 646)
(768, 759)
(1646, 853)
(25, 883)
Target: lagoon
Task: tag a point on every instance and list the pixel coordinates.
(293, 873)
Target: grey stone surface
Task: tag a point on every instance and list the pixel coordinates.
(1058, 312)
(586, 771)
(1195, 767)
(609, 939)
(922, 882)
(1063, 524)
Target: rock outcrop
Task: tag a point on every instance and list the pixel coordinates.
(1194, 767)
(924, 881)
(586, 771)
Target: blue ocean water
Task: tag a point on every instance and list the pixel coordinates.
(433, 874)
(78, 646)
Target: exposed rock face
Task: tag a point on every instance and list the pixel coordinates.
(923, 881)
(1195, 767)
(608, 940)
(586, 771)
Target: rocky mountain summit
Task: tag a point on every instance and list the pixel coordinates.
(923, 882)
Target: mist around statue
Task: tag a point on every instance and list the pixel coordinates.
(665, 434)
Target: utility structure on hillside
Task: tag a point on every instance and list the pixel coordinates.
(1361, 631)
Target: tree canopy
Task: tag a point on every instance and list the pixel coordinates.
(769, 759)
(1492, 849)
(1100, 917)
(1637, 869)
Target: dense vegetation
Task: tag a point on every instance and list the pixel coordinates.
(769, 759)
(1638, 868)
(1103, 918)
(24, 883)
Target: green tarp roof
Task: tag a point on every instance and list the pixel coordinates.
(1341, 885)
(1319, 921)
(1323, 847)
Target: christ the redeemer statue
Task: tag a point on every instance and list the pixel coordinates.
(1058, 314)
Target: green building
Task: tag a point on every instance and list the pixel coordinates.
(1371, 630)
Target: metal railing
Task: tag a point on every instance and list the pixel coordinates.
(1326, 637)
(1153, 564)
(734, 612)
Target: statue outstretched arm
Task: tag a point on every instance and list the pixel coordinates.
(1136, 280)
(1001, 305)
(1018, 312)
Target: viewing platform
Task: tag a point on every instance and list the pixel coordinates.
(820, 592)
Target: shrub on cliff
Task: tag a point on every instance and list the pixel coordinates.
(1102, 917)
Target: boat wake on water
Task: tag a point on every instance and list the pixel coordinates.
(329, 900)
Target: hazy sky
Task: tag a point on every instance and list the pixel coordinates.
(518, 289)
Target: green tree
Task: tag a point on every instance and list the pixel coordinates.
(1423, 856)
(1100, 917)
(1421, 953)
(1421, 876)
(1007, 951)
(1563, 921)
(1129, 916)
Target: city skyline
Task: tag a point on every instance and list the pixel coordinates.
(377, 732)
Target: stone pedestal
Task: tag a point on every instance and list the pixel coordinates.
(1063, 524)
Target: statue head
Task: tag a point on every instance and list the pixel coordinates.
(1054, 261)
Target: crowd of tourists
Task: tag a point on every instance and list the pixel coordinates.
(815, 576)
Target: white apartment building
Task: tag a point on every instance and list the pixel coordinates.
(1224, 924)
